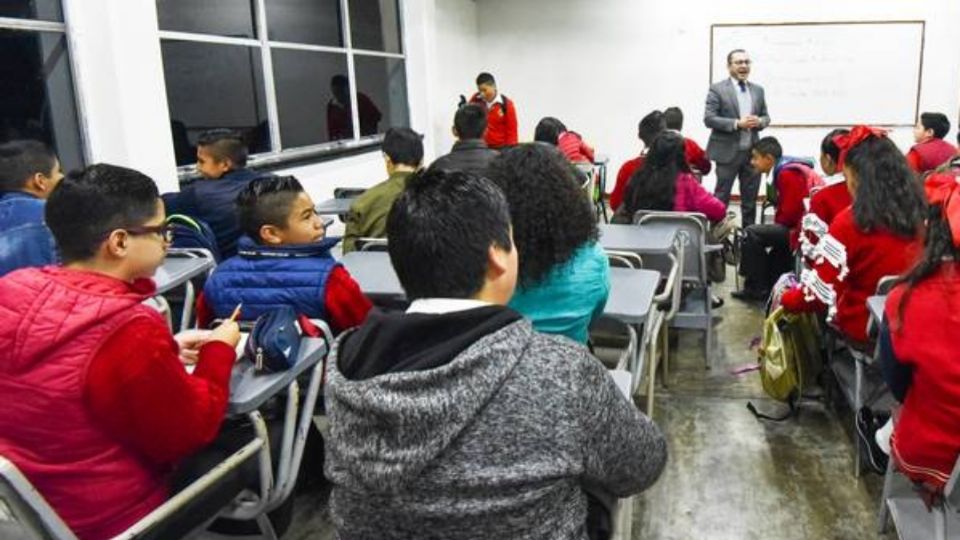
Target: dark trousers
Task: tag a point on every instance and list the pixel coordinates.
(764, 255)
(749, 185)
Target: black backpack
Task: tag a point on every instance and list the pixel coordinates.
(193, 233)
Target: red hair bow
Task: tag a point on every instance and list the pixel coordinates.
(941, 190)
(856, 136)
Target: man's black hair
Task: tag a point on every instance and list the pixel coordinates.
(733, 52)
(938, 122)
(224, 144)
(768, 146)
(90, 203)
(650, 126)
(673, 118)
(403, 146)
(266, 201)
(470, 121)
(440, 231)
(829, 147)
(486, 78)
(20, 160)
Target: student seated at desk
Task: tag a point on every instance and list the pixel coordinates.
(931, 151)
(283, 260)
(29, 172)
(878, 235)
(767, 248)
(221, 162)
(694, 155)
(457, 419)
(650, 126)
(918, 347)
(97, 406)
(827, 201)
(402, 154)
(665, 183)
(470, 152)
(564, 274)
(570, 143)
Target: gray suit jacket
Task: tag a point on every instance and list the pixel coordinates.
(721, 115)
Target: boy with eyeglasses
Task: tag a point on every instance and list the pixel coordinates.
(98, 408)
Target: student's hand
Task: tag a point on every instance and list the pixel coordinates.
(190, 342)
(228, 332)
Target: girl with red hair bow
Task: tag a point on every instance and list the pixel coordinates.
(877, 236)
(918, 349)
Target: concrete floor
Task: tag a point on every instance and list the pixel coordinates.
(729, 475)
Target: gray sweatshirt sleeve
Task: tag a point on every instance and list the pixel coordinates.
(624, 452)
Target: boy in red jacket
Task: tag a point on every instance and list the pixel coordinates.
(693, 154)
(766, 251)
(501, 113)
(98, 407)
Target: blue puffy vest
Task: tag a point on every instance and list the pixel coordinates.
(264, 278)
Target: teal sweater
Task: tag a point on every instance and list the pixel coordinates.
(571, 295)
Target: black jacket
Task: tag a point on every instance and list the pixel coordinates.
(472, 155)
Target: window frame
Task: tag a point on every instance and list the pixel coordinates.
(315, 152)
(18, 24)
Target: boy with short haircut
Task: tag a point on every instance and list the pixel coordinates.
(367, 218)
(501, 113)
(767, 248)
(29, 172)
(931, 150)
(283, 260)
(470, 152)
(456, 419)
(221, 162)
(98, 408)
(695, 156)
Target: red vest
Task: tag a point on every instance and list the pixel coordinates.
(52, 322)
(926, 439)
(934, 153)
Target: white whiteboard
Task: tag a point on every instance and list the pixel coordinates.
(826, 74)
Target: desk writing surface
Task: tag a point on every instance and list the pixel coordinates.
(631, 294)
(250, 389)
(175, 271)
(374, 273)
(334, 206)
(638, 238)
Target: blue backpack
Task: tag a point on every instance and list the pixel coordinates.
(193, 233)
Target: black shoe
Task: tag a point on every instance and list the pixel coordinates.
(716, 302)
(867, 427)
(749, 295)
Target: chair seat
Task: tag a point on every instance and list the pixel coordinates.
(914, 522)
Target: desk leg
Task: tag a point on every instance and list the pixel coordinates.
(247, 510)
(652, 375)
(189, 298)
(286, 446)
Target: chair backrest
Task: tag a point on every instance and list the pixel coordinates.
(371, 244)
(886, 283)
(624, 259)
(950, 492)
(347, 192)
(586, 177)
(692, 228)
(24, 514)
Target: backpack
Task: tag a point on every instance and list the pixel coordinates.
(193, 233)
(790, 351)
(805, 166)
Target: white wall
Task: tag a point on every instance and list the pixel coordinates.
(601, 66)
(458, 61)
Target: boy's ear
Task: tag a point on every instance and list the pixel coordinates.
(116, 243)
(271, 235)
(497, 261)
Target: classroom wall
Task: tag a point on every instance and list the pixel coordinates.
(600, 66)
(457, 60)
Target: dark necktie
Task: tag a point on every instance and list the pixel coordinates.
(743, 86)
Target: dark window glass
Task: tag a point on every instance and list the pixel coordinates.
(312, 97)
(44, 10)
(233, 18)
(375, 25)
(37, 89)
(382, 94)
(214, 86)
(314, 22)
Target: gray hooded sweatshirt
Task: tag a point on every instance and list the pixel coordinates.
(472, 425)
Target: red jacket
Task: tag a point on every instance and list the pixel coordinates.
(926, 439)
(501, 121)
(848, 265)
(571, 145)
(97, 406)
(825, 204)
(695, 157)
(623, 180)
(930, 154)
(791, 187)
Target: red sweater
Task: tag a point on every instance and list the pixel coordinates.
(825, 204)
(345, 304)
(501, 121)
(571, 145)
(695, 156)
(848, 265)
(623, 180)
(791, 186)
(926, 438)
(930, 154)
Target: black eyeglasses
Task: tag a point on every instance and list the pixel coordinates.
(165, 231)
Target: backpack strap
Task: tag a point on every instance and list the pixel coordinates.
(184, 220)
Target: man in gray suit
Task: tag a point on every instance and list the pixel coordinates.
(736, 111)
